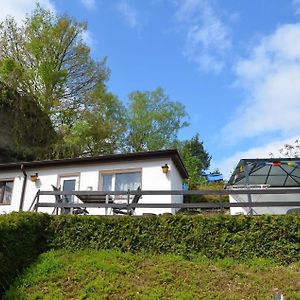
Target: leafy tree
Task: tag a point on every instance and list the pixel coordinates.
(153, 120)
(99, 130)
(47, 60)
(195, 157)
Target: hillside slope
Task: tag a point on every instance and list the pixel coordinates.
(113, 275)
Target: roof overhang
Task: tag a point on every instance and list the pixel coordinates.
(123, 157)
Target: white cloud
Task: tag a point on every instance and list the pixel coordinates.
(227, 165)
(207, 37)
(89, 4)
(270, 78)
(129, 13)
(19, 8)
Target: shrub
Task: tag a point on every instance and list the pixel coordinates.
(23, 236)
(22, 239)
(238, 237)
(208, 198)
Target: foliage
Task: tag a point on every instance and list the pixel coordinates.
(153, 120)
(99, 129)
(196, 159)
(290, 151)
(109, 274)
(241, 237)
(207, 198)
(22, 239)
(46, 60)
(29, 131)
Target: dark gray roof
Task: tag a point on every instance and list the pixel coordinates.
(173, 154)
(276, 172)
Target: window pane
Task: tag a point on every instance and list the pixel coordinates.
(6, 188)
(69, 185)
(2, 189)
(107, 183)
(125, 181)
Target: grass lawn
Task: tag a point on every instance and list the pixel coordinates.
(114, 275)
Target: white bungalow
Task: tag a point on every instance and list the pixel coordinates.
(19, 182)
(265, 174)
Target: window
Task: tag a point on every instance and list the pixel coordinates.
(121, 181)
(6, 188)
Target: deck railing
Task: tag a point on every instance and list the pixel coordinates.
(37, 203)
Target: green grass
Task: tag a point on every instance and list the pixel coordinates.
(114, 275)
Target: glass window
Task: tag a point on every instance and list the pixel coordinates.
(107, 182)
(127, 181)
(69, 185)
(6, 188)
(121, 181)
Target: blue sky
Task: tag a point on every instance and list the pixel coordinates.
(234, 64)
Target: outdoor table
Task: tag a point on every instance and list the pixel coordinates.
(96, 199)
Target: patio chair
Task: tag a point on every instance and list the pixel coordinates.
(123, 210)
(60, 199)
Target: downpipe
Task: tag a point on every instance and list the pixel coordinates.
(23, 188)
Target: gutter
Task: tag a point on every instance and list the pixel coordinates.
(23, 188)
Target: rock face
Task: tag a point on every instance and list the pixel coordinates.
(24, 128)
(6, 132)
(7, 144)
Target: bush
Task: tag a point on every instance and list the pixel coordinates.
(207, 198)
(23, 236)
(22, 239)
(238, 237)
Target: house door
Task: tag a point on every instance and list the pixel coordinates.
(69, 183)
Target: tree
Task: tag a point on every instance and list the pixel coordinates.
(195, 157)
(46, 59)
(99, 130)
(290, 150)
(153, 120)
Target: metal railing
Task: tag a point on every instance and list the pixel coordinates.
(204, 205)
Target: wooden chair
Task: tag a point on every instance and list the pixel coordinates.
(123, 210)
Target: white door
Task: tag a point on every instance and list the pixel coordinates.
(69, 183)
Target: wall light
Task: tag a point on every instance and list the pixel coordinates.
(165, 169)
(35, 177)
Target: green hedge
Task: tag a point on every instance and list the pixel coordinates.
(23, 236)
(22, 239)
(239, 237)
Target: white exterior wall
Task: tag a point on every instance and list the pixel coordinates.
(89, 176)
(176, 184)
(262, 198)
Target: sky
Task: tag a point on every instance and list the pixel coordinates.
(234, 64)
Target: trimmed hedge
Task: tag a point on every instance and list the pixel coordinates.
(239, 237)
(22, 239)
(23, 236)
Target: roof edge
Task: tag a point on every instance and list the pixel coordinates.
(170, 153)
